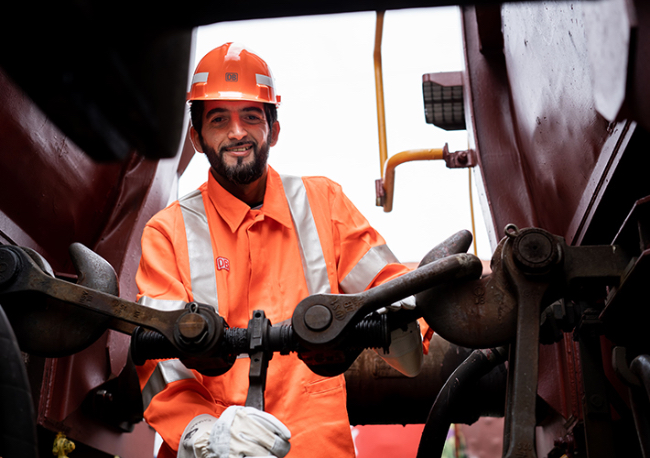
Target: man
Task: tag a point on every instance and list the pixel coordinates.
(251, 239)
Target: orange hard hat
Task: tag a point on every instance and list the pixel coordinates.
(232, 72)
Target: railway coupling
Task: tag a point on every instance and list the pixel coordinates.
(533, 275)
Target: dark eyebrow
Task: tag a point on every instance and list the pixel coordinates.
(214, 111)
(254, 109)
(219, 110)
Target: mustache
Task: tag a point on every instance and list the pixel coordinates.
(238, 143)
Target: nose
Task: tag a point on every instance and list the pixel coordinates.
(236, 129)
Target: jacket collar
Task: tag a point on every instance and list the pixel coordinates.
(234, 211)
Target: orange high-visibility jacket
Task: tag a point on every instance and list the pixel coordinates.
(257, 258)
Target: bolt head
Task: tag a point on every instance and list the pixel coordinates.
(535, 250)
(318, 317)
(9, 264)
(192, 327)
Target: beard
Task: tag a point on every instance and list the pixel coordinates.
(239, 173)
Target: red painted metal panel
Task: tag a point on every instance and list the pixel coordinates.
(539, 137)
(549, 158)
(52, 194)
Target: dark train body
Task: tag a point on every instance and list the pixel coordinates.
(556, 103)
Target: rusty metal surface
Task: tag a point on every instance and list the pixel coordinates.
(53, 317)
(519, 436)
(337, 313)
(378, 394)
(534, 269)
(563, 391)
(480, 314)
(557, 103)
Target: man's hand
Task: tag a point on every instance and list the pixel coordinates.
(239, 432)
(408, 303)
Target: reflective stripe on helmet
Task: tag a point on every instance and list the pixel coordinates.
(367, 268)
(200, 78)
(264, 80)
(233, 72)
(199, 248)
(311, 252)
(166, 372)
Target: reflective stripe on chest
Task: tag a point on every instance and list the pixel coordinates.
(202, 258)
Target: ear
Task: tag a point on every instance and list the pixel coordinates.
(275, 133)
(196, 139)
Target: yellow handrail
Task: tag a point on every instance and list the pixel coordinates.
(387, 166)
(400, 158)
(379, 89)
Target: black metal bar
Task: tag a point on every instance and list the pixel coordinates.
(479, 363)
(457, 243)
(260, 355)
(347, 310)
(26, 277)
(523, 248)
(598, 425)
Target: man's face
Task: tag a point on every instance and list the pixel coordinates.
(236, 139)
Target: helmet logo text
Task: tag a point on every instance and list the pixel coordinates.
(232, 77)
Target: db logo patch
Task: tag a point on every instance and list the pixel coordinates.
(232, 77)
(223, 263)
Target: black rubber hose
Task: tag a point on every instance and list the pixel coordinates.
(477, 364)
(640, 367)
(18, 424)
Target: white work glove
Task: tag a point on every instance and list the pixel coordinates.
(405, 351)
(239, 432)
(408, 303)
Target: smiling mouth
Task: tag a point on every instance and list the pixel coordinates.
(239, 149)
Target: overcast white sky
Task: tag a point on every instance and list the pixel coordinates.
(323, 67)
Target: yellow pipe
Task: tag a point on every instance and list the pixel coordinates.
(400, 158)
(471, 212)
(379, 89)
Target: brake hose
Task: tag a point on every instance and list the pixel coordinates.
(17, 424)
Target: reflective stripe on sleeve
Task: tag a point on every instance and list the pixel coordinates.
(199, 247)
(166, 372)
(164, 305)
(367, 268)
(311, 252)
